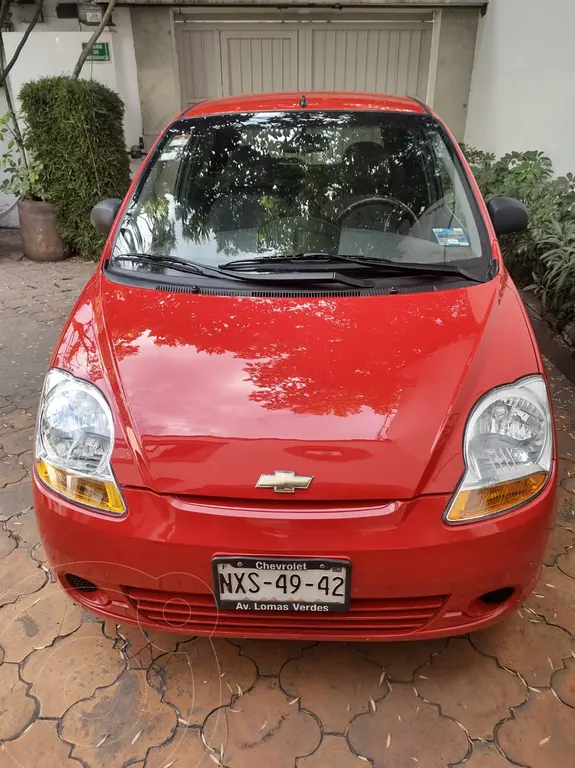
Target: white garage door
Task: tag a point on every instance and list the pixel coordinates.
(229, 59)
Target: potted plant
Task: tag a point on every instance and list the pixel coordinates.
(74, 129)
(41, 240)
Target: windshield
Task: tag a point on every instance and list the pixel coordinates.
(366, 184)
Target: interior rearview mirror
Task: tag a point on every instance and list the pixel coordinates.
(508, 215)
(104, 213)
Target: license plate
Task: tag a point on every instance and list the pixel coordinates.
(275, 585)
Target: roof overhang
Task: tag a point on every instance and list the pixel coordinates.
(276, 4)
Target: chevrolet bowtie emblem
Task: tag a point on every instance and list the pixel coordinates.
(283, 481)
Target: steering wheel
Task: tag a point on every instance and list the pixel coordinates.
(376, 200)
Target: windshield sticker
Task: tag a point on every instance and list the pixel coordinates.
(450, 236)
(175, 147)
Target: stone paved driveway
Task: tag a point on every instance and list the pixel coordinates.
(78, 691)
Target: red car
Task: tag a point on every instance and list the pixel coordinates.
(300, 397)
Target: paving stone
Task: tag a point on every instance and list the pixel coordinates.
(533, 650)
(263, 729)
(15, 421)
(38, 747)
(400, 660)
(270, 655)
(16, 442)
(333, 752)
(26, 459)
(28, 401)
(401, 731)
(334, 681)
(554, 598)
(119, 724)
(7, 544)
(561, 388)
(15, 499)
(560, 541)
(71, 669)
(487, 755)
(39, 554)
(17, 710)
(11, 245)
(567, 484)
(25, 529)
(563, 683)
(566, 467)
(470, 687)
(566, 491)
(566, 444)
(184, 749)
(10, 471)
(19, 575)
(566, 563)
(203, 674)
(6, 407)
(36, 620)
(541, 735)
(143, 646)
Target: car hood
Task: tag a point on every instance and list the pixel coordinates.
(361, 393)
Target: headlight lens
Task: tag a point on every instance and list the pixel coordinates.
(74, 441)
(508, 450)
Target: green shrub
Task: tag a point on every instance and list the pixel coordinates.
(544, 255)
(555, 282)
(74, 132)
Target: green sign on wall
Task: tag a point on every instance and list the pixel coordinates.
(99, 52)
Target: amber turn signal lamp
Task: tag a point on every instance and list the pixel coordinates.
(103, 495)
(484, 502)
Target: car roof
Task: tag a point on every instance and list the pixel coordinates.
(314, 100)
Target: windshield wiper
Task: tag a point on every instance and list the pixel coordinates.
(172, 262)
(195, 268)
(327, 259)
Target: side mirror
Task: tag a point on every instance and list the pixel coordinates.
(508, 215)
(136, 152)
(104, 213)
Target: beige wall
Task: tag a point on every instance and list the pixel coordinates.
(320, 3)
(457, 36)
(157, 74)
(522, 94)
(158, 79)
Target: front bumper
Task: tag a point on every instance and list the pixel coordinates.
(413, 577)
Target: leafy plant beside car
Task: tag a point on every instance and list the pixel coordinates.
(543, 256)
(22, 173)
(74, 132)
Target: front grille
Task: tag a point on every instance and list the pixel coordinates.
(197, 612)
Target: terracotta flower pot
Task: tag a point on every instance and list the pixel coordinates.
(40, 237)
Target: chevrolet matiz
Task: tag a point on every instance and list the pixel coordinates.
(300, 396)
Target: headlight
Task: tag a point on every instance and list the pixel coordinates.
(508, 451)
(74, 441)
